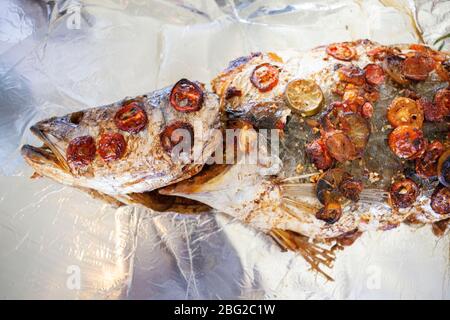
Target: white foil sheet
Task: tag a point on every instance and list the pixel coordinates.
(56, 242)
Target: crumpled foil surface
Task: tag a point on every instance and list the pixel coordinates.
(56, 242)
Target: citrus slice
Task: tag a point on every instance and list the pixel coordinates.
(304, 96)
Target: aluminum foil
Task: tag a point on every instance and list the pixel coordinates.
(57, 242)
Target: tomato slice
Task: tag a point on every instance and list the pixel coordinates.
(186, 96)
(351, 188)
(175, 133)
(407, 142)
(426, 167)
(318, 154)
(393, 66)
(418, 67)
(131, 118)
(442, 101)
(340, 146)
(367, 110)
(374, 74)
(404, 111)
(341, 51)
(404, 193)
(352, 74)
(330, 213)
(440, 200)
(352, 124)
(111, 146)
(265, 77)
(81, 151)
(443, 70)
(430, 111)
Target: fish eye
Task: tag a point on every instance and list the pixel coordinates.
(76, 117)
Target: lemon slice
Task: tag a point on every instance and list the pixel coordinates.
(304, 96)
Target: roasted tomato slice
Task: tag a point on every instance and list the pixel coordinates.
(352, 74)
(407, 142)
(81, 151)
(426, 167)
(404, 193)
(111, 146)
(351, 188)
(352, 124)
(318, 155)
(340, 146)
(442, 101)
(440, 200)
(393, 66)
(444, 168)
(418, 67)
(330, 213)
(374, 74)
(430, 111)
(366, 110)
(131, 118)
(175, 133)
(443, 70)
(265, 77)
(341, 51)
(405, 112)
(186, 96)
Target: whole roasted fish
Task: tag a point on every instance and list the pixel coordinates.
(366, 147)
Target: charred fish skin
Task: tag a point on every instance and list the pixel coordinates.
(122, 148)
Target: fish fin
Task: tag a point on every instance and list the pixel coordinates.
(103, 197)
(316, 255)
(165, 203)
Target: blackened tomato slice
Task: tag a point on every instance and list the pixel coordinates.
(404, 193)
(186, 96)
(111, 146)
(407, 142)
(318, 154)
(81, 151)
(427, 166)
(374, 74)
(175, 133)
(440, 200)
(341, 51)
(131, 118)
(265, 77)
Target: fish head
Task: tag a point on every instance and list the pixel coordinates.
(134, 145)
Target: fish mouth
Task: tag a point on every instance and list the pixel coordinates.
(46, 154)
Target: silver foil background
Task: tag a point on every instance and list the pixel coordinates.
(61, 56)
